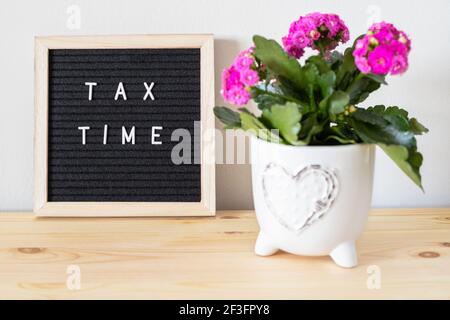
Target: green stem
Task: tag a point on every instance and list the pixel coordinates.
(321, 49)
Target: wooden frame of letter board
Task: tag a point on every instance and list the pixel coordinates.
(206, 207)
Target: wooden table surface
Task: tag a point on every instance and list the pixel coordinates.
(212, 258)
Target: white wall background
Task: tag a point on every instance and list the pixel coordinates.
(424, 90)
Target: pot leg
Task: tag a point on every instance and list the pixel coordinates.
(263, 246)
(344, 255)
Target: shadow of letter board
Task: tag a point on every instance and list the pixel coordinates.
(111, 115)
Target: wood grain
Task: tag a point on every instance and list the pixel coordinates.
(212, 258)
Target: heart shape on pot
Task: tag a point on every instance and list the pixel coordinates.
(299, 200)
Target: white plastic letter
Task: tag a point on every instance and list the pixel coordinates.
(91, 85)
(83, 134)
(105, 134)
(120, 91)
(149, 91)
(156, 135)
(128, 137)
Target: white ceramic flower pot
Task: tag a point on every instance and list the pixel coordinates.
(311, 200)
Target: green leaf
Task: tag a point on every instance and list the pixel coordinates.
(265, 99)
(228, 117)
(310, 127)
(346, 69)
(267, 95)
(371, 115)
(340, 139)
(326, 83)
(252, 124)
(417, 127)
(361, 87)
(390, 128)
(285, 118)
(337, 102)
(271, 54)
(408, 161)
(399, 117)
(311, 73)
(288, 89)
(320, 63)
(374, 128)
(335, 60)
(340, 133)
(377, 78)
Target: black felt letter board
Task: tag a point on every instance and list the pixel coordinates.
(114, 171)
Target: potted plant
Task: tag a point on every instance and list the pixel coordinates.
(313, 145)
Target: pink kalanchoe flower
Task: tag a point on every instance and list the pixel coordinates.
(243, 62)
(383, 49)
(294, 50)
(316, 30)
(249, 77)
(404, 39)
(399, 64)
(230, 78)
(362, 64)
(239, 77)
(380, 60)
(247, 53)
(361, 47)
(238, 96)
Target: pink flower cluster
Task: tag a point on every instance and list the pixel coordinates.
(382, 50)
(315, 30)
(239, 77)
